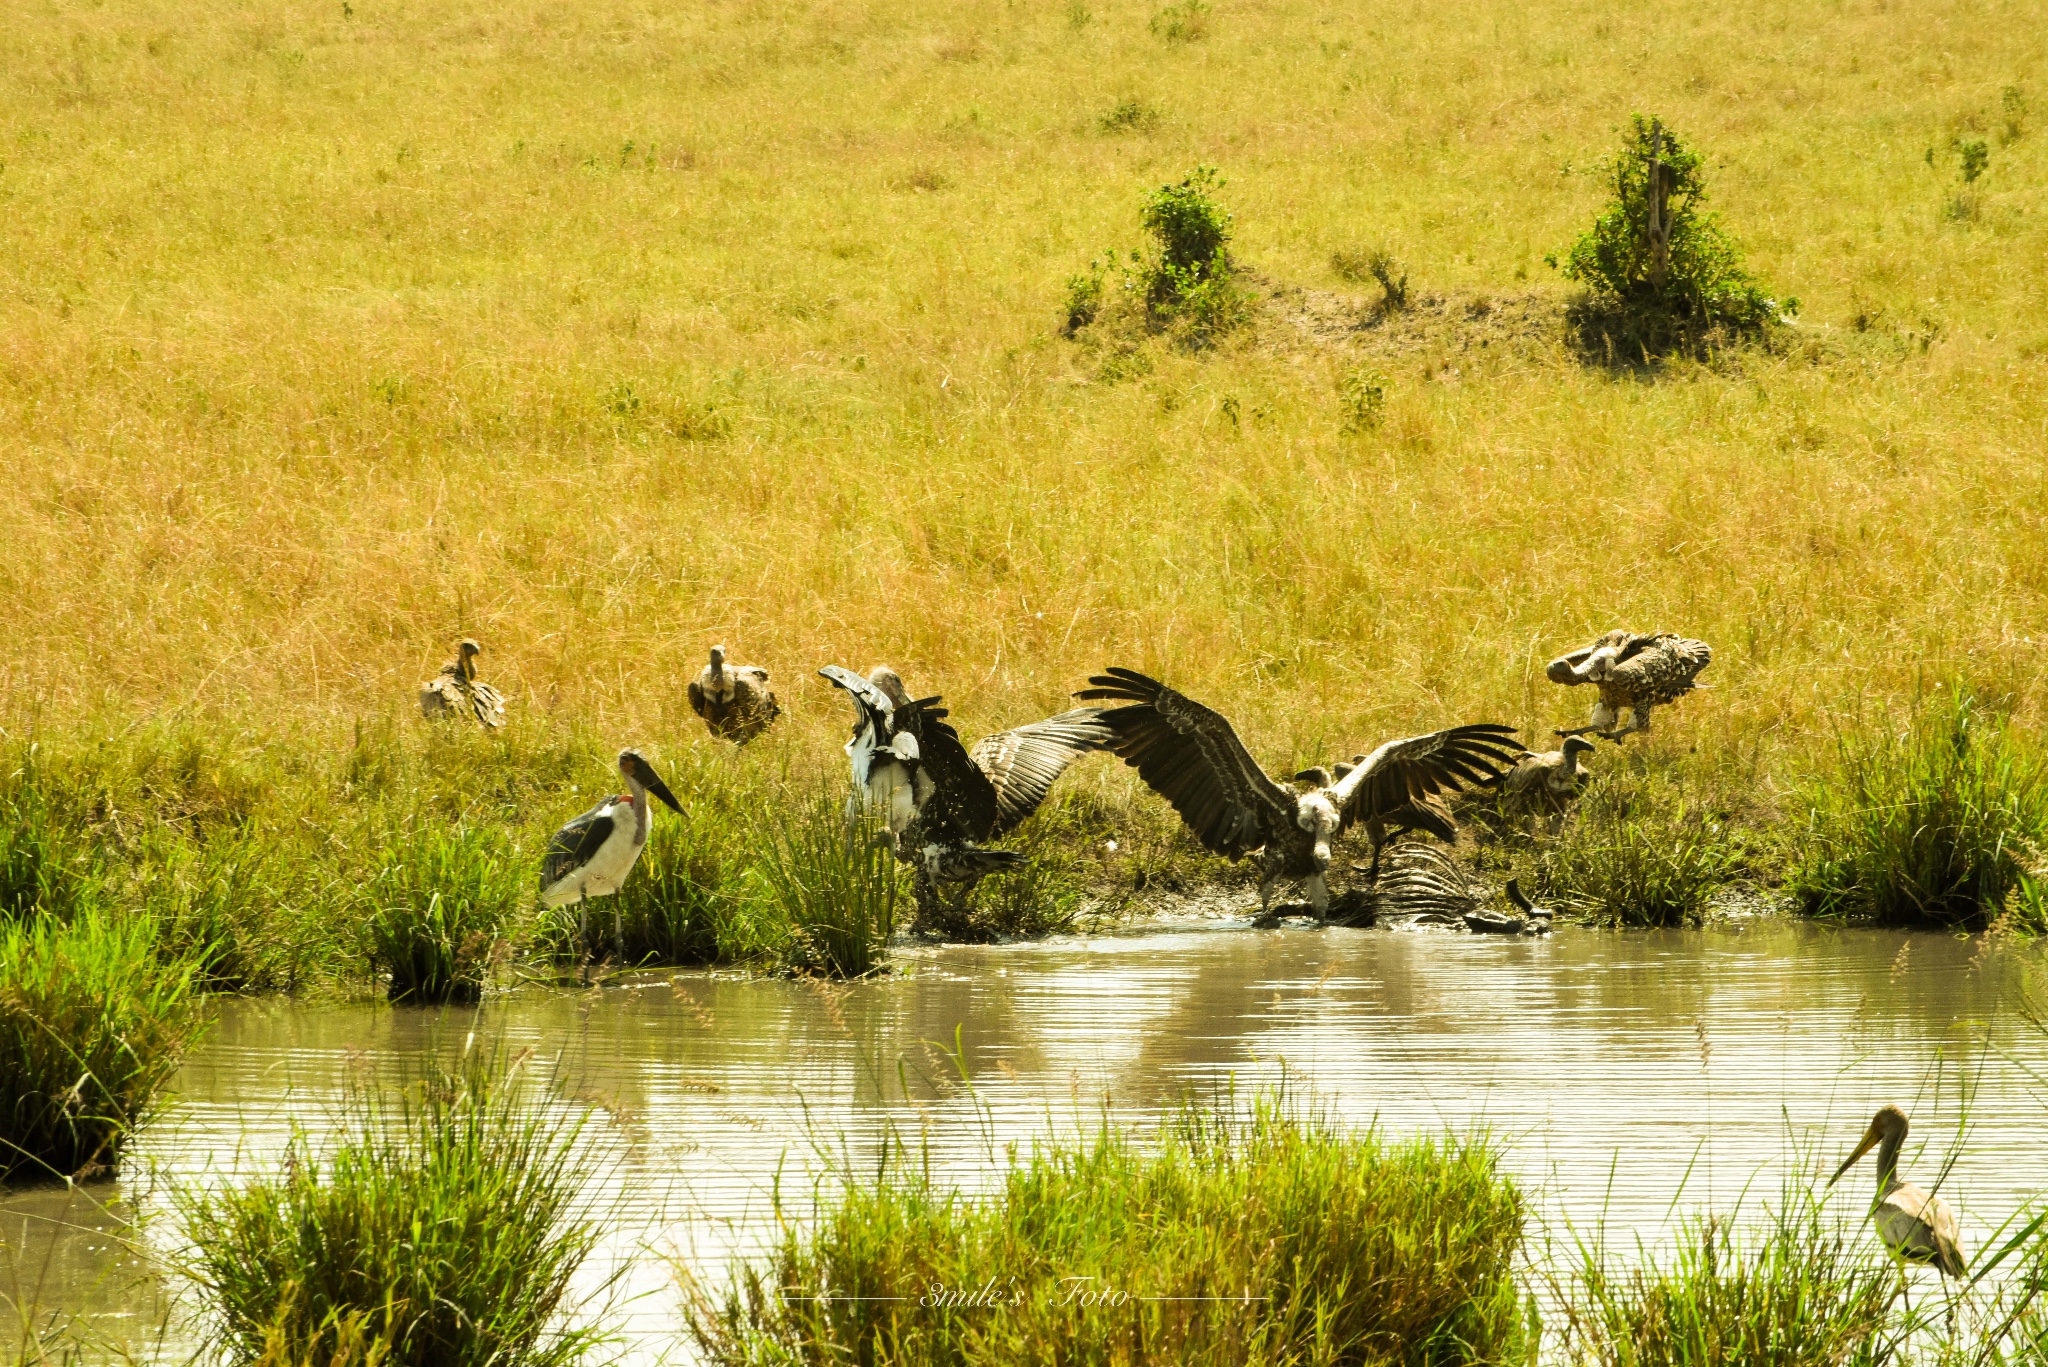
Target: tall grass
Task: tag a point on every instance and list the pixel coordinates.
(1801, 1290)
(440, 910)
(45, 867)
(1260, 1235)
(1637, 852)
(93, 1022)
(833, 883)
(439, 1226)
(1933, 825)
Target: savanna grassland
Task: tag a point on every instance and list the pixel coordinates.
(330, 332)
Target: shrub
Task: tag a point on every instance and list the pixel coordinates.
(439, 911)
(1636, 853)
(833, 883)
(1362, 395)
(1084, 300)
(1192, 231)
(1129, 116)
(1934, 826)
(1801, 1291)
(1378, 266)
(93, 1021)
(1260, 1237)
(442, 1228)
(1661, 270)
(1185, 21)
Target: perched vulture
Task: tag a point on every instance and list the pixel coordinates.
(456, 691)
(940, 800)
(1548, 782)
(1190, 756)
(734, 700)
(1632, 671)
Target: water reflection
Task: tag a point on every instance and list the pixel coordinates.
(1609, 1063)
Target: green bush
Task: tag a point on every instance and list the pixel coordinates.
(1801, 1290)
(1635, 852)
(93, 1021)
(439, 912)
(1648, 298)
(833, 883)
(442, 1229)
(1184, 21)
(1242, 1238)
(1934, 826)
(1192, 231)
(1362, 396)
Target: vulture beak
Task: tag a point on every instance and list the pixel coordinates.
(1870, 1138)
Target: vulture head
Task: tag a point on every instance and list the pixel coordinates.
(1317, 815)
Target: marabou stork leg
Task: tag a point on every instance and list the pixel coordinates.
(583, 937)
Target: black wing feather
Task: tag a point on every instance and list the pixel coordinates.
(963, 800)
(575, 845)
(1404, 775)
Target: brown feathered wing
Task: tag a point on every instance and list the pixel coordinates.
(1190, 756)
(1404, 783)
(1023, 763)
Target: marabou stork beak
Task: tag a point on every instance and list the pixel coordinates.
(1870, 1138)
(660, 790)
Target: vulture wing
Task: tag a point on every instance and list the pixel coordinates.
(963, 800)
(700, 701)
(1190, 756)
(575, 845)
(1023, 763)
(1423, 767)
(487, 703)
(1661, 669)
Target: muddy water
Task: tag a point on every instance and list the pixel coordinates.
(1609, 1064)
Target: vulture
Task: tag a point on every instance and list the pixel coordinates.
(456, 691)
(940, 800)
(734, 700)
(1548, 782)
(1190, 756)
(1632, 671)
(591, 856)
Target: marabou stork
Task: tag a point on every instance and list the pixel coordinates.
(591, 856)
(1190, 756)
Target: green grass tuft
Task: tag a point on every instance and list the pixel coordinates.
(93, 1021)
(1934, 826)
(440, 910)
(1316, 1243)
(443, 1230)
(1635, 852)
(832, 882)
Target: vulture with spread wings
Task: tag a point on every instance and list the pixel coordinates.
(942, 801)
(1634, 672)
(1190, 756)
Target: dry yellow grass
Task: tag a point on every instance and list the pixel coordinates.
(601, 331)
